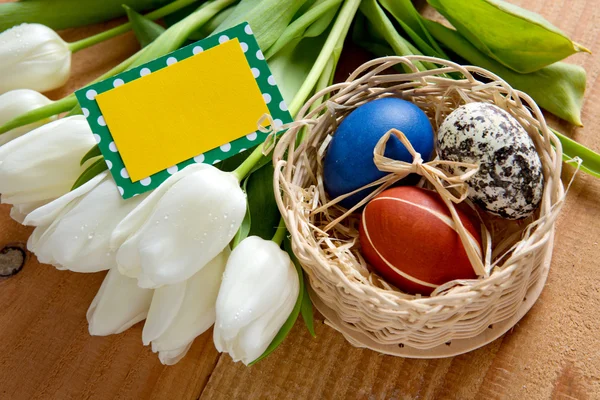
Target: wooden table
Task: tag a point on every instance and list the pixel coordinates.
(554, 352)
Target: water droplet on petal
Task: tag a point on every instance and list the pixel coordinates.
(167, 216)
(91, 236)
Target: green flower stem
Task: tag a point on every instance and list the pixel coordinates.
(118, 30)
(339, 30)
(280, 232)
(62, 105)
(249, 163)
(571, 149)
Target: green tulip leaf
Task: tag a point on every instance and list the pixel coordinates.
(177, 16)
(516, 38)
(267, 18)
(93, 153)
(411, 21)
(383, 28)
(93, 170)
(264, 213)
(311, 24)
(212, 24)
(62, 14)
(244, 230)
(291, 320)
(292, 64)
(145, 29)
(307, 310)
(590, 160)
(558, 88)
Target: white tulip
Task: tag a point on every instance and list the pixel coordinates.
(118, 305)
(181, 312)
(73, 232)
(259, 290)
(43, 164)
(17, 102)
(180, 227)
(33, 56)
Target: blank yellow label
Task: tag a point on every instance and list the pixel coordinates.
(183, 110)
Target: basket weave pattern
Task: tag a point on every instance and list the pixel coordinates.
(325, 237)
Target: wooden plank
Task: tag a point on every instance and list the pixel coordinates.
(553, 353)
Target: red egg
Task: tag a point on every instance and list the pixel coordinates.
(407, 235)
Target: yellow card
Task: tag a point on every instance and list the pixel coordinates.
(186, 109)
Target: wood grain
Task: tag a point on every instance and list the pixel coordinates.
(552, 353)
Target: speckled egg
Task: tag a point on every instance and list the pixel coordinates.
(509, 182)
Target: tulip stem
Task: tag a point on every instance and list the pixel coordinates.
(56, 107)
(246, 167)
(280, 232)
(338, 31)
(118, 30)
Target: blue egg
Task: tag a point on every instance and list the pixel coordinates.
(348, 163)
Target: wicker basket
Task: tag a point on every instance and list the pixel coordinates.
(460, 315)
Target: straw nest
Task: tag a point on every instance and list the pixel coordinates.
(325, 236)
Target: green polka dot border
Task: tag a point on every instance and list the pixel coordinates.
(262, 74)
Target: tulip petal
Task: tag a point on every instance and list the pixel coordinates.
(33, 56)
(42, 232)
(80, 241)
(197, 312)
(171, 357)
(166, 304)
(118, 305)
(19, 212)
(135, 219)
(43, 164)
(256, 337)
(44, 215)
(17, 102)
(189, 225)
(254, 283)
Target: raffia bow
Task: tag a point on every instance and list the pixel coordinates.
(443, 182)
(453, 189)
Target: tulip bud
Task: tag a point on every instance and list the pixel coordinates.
(15, 103)
(73, 231)
(259, 290)
(181, 312)
(33, 56)
(118, 305)
(180, 227)
(43, 164)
